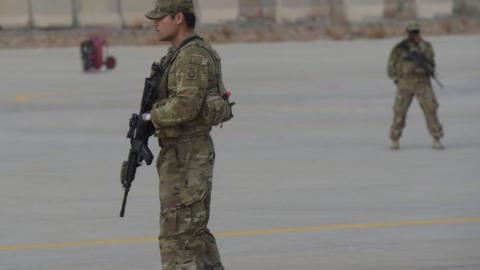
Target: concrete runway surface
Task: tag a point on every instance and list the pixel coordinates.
(303, 180)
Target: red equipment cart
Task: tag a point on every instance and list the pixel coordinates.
(92, 52)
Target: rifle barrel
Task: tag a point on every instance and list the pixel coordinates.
(437, 81)
(124, 203)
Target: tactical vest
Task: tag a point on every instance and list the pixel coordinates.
(406, 68)
(214, 88)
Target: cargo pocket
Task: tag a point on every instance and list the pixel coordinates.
(168, 222)
(199, 174)
(215, 110)
(184, 220)
(191, 218)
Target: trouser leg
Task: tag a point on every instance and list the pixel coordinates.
(428, 102)
(182, 244)
(403, 99)
(212, 256)
(185, 241)
(185, 173)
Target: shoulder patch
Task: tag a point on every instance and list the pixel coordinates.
(191, 73)
(198, 59)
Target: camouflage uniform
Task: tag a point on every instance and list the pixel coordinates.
(185, 163)
(412, 81)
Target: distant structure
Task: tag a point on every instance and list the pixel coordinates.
(338, 12)
(468, 8)
(402, 10)
(51, 14)
(333, 11)
(196, 6)
(319, 10)
(257, 10)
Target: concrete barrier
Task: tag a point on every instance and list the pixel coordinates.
(99, 13)
(212, 11)
(358, 11)
(14, 13)
(429, 9)
(469, 8)
(402, 10)
(130, 13)
(133, 12)
(292, 10)
(52, 13)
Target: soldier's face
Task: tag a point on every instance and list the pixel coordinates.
(414, 36)
(166, 28)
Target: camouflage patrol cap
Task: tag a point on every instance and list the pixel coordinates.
(170, 7)
(413, 26)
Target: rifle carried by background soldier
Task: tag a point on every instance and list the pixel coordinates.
(422, 62)
(141, 129)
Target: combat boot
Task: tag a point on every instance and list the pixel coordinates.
(395, 145)
(437, 145)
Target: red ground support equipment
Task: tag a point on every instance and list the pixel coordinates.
(92, 52)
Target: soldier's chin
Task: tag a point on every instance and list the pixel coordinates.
(163, 38)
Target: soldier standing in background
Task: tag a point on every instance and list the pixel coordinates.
(190, 89)
(411, 65)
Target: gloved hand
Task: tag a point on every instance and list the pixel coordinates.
(123, 173)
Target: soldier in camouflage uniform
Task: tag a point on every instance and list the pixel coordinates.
(185, 163)
(413, 81)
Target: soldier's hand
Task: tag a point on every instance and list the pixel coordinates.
(123, 173)
(145, 129)
(157, 105)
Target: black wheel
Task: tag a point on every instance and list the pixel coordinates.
(111, 62)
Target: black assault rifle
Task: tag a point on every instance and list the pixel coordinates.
(422, 62)
(139, 133)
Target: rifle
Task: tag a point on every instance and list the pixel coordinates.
(423, 62)
(141, 129)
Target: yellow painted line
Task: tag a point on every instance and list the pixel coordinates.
(28, 97)
(41, 95)
(251, 233)
(20, 98)
(337, 227)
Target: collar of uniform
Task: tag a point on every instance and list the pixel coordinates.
(173, 51)
(413, 44)
(191, 37)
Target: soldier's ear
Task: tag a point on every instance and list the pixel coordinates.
(179, 18)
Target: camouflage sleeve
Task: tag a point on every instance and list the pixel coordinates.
(186, 102)
(430, 54)
(392, 62)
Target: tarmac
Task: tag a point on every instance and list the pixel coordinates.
(304, 178)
